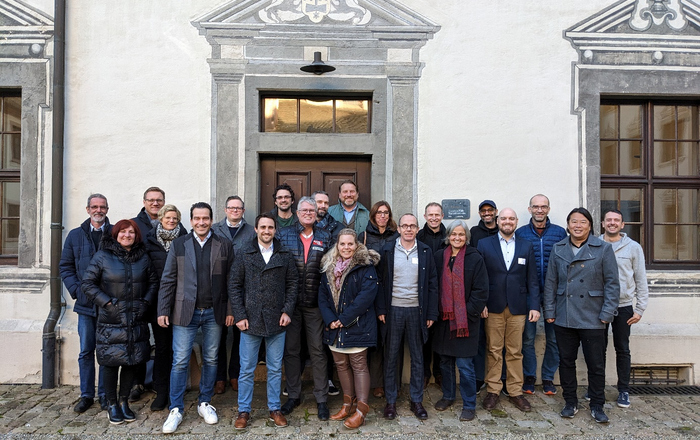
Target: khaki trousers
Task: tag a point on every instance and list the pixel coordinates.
(504, 329)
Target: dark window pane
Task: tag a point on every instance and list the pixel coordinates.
(665, 206)
(11, 151)
(631, 205)
(634, 232)
(664, 158)
(665, 243)
(12, 114)
(351, 116)
(280, 115)
(630, 158)
(687, 122)
(688, 206)
(315, 116)
(608, 122)
(688, 242)
(664, 122)
(9, 237)
(630, 121)
(608, 199)
(688, 159)
(608, 157)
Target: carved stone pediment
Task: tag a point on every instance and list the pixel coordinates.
(23, 30)
(640, 32)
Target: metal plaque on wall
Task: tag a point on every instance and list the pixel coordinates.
(455, 208)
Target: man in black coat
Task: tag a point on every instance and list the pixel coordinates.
(514, 296)
(407, 303)
(263, 292)
(487, 225)
(147, 218)
(308, 244)
(80, 246)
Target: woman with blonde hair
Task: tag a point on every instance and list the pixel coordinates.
(346, 298)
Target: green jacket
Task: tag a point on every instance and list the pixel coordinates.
(361, 220)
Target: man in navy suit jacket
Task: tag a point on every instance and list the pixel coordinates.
(514, 295)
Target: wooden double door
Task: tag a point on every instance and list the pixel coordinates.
(309, 173)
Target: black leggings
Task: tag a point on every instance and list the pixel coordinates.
(126, 377)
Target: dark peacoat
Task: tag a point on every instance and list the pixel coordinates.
(355, 308)
(125, 280)
(261, 292)
(476, 293)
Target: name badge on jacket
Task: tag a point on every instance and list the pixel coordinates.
(522, 261)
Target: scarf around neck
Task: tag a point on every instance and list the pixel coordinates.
(340, 267)
(452, 302)
(165, 237)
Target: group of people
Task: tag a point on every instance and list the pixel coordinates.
(347, 286)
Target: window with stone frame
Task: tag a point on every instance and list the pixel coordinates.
(315, 114)
(11, 151)
(650, 170)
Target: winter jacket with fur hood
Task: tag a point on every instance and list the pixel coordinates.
(355, 300)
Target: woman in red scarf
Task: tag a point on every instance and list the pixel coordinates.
(464, 289)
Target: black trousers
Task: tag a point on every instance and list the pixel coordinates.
(163, 361)
(621, 340)
(404, 322)
(234, 363)
(126, 377)
(593, 343)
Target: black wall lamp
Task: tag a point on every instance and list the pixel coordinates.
(318, 67)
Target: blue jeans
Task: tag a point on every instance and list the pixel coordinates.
(467, 380)
(87, 332)
(183, 339)
(550, 363)
(274, 350)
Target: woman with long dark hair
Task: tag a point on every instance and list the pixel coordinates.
(346, 298)
(122, 284)
(581, 295)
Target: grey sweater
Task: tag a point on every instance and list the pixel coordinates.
(633, 275)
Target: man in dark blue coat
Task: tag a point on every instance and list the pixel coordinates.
(81, 244)
(543, 234)
(513, 291)
(407, 302)
(147, 218)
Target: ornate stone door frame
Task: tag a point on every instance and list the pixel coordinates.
(259, 45)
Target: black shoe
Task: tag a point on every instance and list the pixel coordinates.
(289, 406)
(160, 402)
(467, 415)
(390, 411)
(83, 405)
(443, 404)
(418, 410)
(598, 414)
(136, 393)
(129, 415)
(569, 411)
(332, 389)
(104, 403)
(323, 411)
(114, 414)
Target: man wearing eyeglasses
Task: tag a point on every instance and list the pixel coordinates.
(307, 243)
(543, 234)
(488, 212)
(241, 234)
(283, 212)
(407, 303)
(153, 200)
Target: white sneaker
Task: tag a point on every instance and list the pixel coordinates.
(172, 422)
(208, 413)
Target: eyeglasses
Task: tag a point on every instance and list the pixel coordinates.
(487, 211)
(234, 208)
(383, 213)
(153, 200)
(539, 207)
(408, 227)
(306, 211)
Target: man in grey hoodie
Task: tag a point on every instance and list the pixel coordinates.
(633, 286)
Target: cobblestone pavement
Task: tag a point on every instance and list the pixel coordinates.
(27, 411)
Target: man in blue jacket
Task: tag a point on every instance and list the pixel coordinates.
(543, 234)
(81, 244)
(513, 296)
(407, 302)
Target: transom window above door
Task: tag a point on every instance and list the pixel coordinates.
(315, 114)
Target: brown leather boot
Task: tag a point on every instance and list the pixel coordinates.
(357, 419)
(346, 410)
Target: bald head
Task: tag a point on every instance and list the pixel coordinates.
(507, 222)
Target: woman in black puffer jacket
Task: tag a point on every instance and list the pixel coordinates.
(122, 284)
